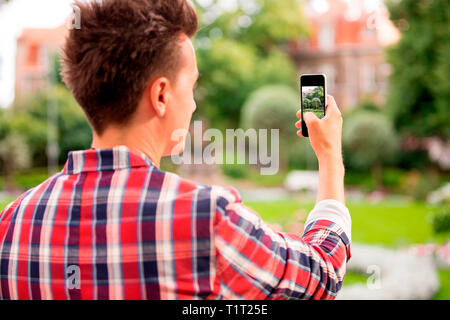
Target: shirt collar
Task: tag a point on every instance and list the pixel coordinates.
(120, 157)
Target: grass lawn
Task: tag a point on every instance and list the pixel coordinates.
(353, 277)
(444, 292)
(3, 204)
(388, 223)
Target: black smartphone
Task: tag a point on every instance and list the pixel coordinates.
(313, 92)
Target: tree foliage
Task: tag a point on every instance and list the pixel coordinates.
(369, 140)
(419, 85)
(313, 100)
(29, 116)
(273, 107)
(14, 151)
(241, 49)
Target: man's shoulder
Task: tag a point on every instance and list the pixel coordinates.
(30, 194)
(220, 195)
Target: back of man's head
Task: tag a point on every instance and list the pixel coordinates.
(120, 46)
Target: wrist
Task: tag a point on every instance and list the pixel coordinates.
(331, 178)
(331, 159)
(333, 164)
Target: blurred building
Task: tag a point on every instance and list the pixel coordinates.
(35, 50)
(346, 43)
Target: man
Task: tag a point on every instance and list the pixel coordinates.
(112, 225)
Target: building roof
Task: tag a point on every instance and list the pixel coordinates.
(350, 26)
(53, 36)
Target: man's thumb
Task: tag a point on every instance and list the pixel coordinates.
(310, 118)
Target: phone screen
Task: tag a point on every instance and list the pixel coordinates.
(313, 100)
(313, 97)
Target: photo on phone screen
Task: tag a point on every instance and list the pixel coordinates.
(313, 99)
(313, 93)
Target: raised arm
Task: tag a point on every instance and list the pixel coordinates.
(255, 262)
(326, 140)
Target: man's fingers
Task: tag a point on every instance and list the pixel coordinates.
(332, 107)
(298, 124)
(310, 118)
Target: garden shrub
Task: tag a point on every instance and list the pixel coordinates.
(441, 218)
(235, 171)
(368, 139)
(272, 107)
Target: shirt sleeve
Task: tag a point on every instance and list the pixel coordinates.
(255, 262)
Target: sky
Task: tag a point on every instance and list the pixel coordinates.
(14, 17)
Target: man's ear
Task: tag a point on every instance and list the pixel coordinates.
(159, 95)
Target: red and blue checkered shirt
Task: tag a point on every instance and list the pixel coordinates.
(113, 226)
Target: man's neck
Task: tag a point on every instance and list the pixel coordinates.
(141, 138)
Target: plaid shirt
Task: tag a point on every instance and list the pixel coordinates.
(113, 226)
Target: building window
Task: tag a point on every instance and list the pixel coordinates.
(326, 37)
(368, 77)
(384, 73)
(33, 55)
(330, 72)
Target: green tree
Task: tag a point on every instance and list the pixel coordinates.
(54, 75)
(4, 125)
(29, 117)
(317, 93)
(419, 85)
(369, 142)
(273, 107)
(15, 155)
(240, 49)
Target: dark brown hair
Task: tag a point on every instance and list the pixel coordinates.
(120, 46)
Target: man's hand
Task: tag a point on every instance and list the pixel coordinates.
(325, 134)
(326, 139)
